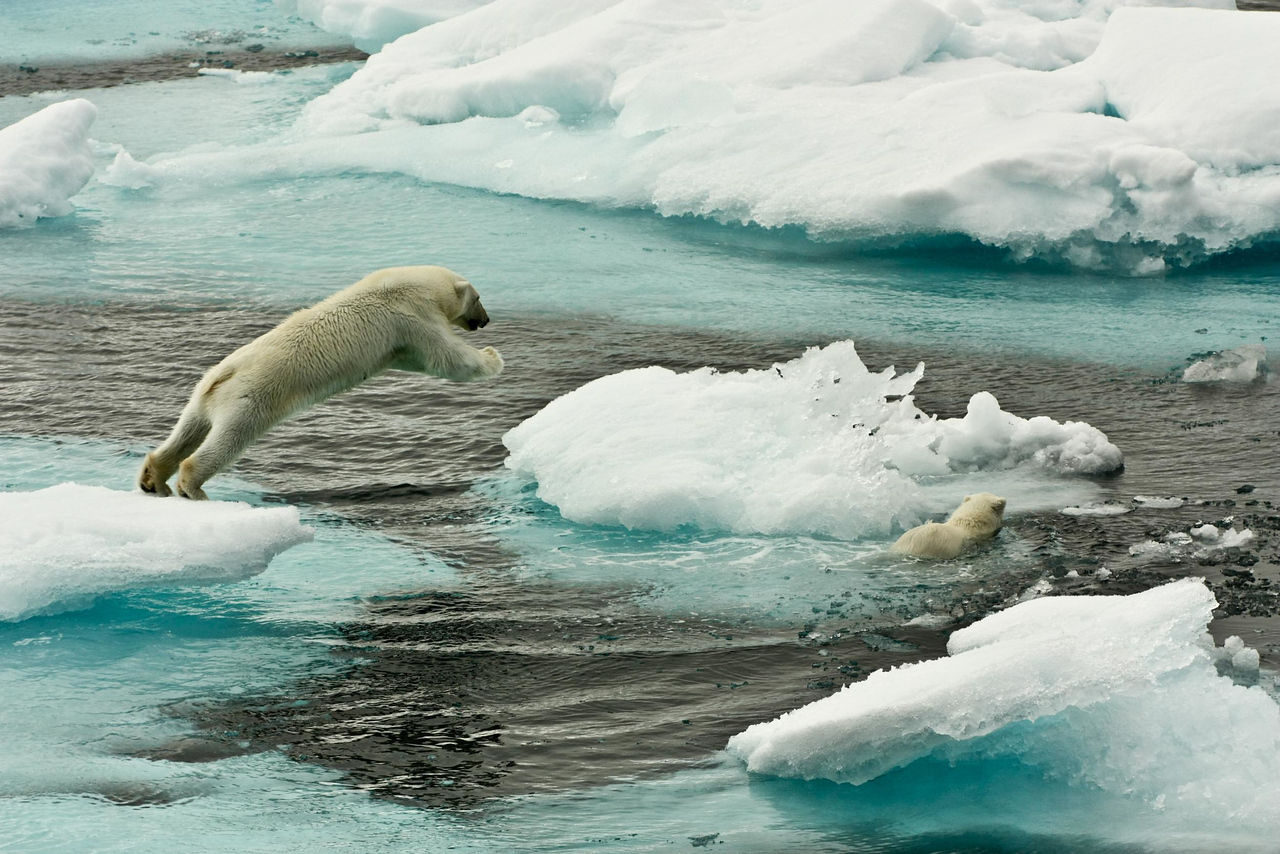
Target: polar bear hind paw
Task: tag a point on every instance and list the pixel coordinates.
(149, 479)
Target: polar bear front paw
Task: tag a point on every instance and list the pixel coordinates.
(493, 361)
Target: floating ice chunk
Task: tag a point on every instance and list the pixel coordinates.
(1201, 541)
(1157, 502)
(45, 159)
(238, 76)
(62, 546)
(1115, 692)
(373, 23)
(816, 445)
(125, 171)
(1106, 508)
(1241, 365)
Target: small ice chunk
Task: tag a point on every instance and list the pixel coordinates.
(1206, 533)
(1106, 508)
(1241, 365)
(1157, 502)
(1232, 538)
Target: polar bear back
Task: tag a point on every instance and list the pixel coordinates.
(393, 318)
(978, 518)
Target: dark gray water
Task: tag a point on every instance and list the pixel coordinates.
(516, 686)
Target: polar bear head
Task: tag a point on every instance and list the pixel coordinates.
(981, 514)
(465, 311)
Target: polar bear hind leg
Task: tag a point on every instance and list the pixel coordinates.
(232, 431)
(161, 463)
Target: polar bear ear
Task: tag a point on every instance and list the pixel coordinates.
(966, 498)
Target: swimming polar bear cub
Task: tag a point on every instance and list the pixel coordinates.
(978, 518)
(400, 318)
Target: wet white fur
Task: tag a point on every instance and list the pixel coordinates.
(978, 518)
(401, 318)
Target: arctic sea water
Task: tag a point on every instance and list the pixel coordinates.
(396, 642)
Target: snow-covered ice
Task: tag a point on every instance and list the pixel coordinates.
(45, 159)
(62, 546)
(1119, 693)
(1241, 365)
(1051, 131)
(818, 445)
(373, 23)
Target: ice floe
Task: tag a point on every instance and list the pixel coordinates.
(1098, 134)
(62, 546)
(1119, 693)
(818, 445)
(1050, 130)
(45, 159)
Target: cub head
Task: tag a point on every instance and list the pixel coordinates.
(468, 313)
(981, 511)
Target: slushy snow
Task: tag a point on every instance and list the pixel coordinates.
(1121, 693)
(45, 159)
(62, 546)
(818, 445)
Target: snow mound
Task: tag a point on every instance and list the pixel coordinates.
(45, 159)
(818, 445)
(1121, 693)
(62, 546)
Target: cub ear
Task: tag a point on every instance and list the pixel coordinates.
(966, 498)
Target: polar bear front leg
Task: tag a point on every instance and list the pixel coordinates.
(451, 358)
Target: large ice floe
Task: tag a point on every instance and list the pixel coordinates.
(63, 546)
(1130, 138)
(1119, 693)
(45, 159)
(1086, 132)
(818, 445)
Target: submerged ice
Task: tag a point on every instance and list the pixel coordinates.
(1118, 693)
(819, 445)
(62, 546)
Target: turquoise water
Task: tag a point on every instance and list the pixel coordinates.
(67, 30)
(152, 716)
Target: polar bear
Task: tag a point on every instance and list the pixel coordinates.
(978, 518)
(394, 319)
